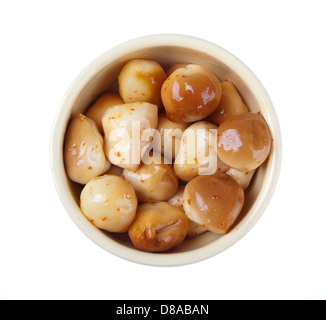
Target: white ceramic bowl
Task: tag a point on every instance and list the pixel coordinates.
(101, 76)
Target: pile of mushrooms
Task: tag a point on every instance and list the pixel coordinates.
(168, 157)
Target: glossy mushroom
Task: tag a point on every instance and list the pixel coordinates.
(141, 80)
(83, 151)
(213, 201)
(244, 141)
(110, 203)
(197, 152)
(153, 182)
(158, 227)
(190, 94)
(124, 126)
(231, 104)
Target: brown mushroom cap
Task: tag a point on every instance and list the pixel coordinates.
(231, 104)
(244, 141)
(190, 94)
(83, 152)
(213, 201)
(158, 227)
(153, 182)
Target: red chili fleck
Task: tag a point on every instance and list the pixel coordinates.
(105, 218)
(247, 172)
(189, 201)
(215, 197)
(219, 169)
(90, 168)
(118, 154)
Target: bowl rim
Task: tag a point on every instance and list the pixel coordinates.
(60, 178)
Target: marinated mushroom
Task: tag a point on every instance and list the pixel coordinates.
(124, 126)
(191, 94)
(197, 152)
(170, 134)
(83, 151)
(194, 228)
(153, 182)
(244, 141)
(213, 201)
(175, 67)
(110, 203)
(141, 80)
(158, 227)
(243, 178)
(231, 104)
(97, 110)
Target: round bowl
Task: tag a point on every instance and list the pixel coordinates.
(101, 76)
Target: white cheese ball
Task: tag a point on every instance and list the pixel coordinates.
(141, 80)
(242, 177)
(83, 152)
(197, 152)
(194, 228)
(153, 182)
(124, 126)
(110, 203)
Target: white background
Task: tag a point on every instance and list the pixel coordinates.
(44, 46)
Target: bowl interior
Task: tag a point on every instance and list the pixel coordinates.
(100, 77)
